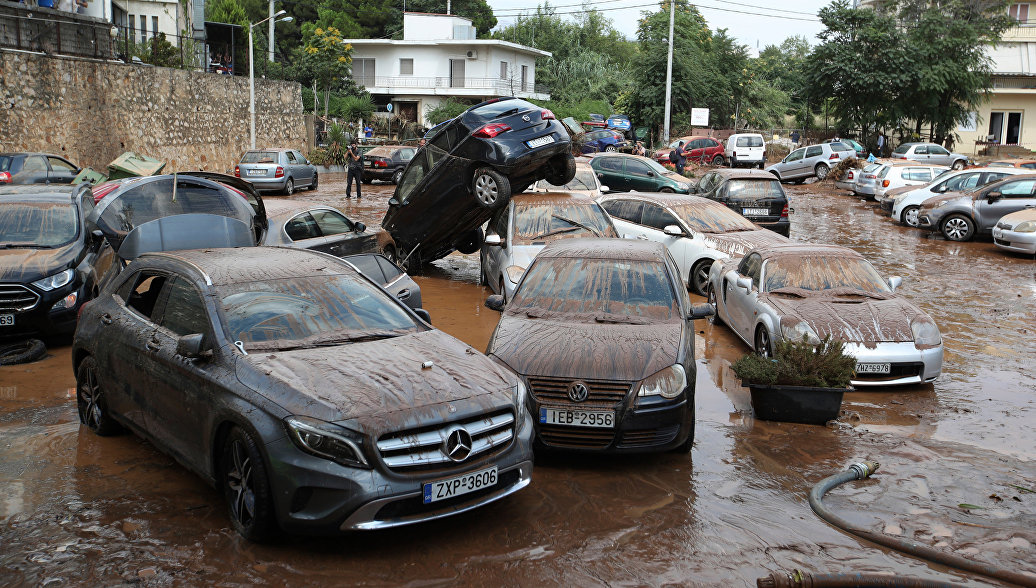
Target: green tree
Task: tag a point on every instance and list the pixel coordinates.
(327, 57)
(447, 109)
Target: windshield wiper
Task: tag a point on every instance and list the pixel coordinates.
(590, 229)
(554, 232)
(619, 319)
(26, 246)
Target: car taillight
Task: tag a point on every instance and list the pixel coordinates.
(491, 130)
(547, 115)
(784, 212)
(380, 163)
(617, 135)
(5, 177)
(885, 184)
(103, 190)
(279, 173)
(833, 156)
(869, 176)
(237, 171)
(850, 176)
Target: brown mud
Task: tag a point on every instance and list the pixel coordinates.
(958, 461)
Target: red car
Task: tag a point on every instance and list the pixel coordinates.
(699, 150)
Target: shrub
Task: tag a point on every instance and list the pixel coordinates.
(318, 156)
(798, 363)
(336, 141)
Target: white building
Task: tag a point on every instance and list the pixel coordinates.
(144, 19)
(439, 56)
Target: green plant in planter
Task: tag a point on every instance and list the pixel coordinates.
(798, 363)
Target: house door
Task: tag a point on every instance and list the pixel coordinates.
(1006, 127)
(525, 78)
(407, 110)
(456, 73)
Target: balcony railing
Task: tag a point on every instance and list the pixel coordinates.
(496, 85)
(1014, 82)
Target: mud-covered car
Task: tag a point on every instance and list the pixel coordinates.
(1017, 232)
(754, 194)
(697, 231)
(960, 216)
(36, 168)
(306, 224)
(47, 256)
(468, 169)
(796, 290)
(311, 399)
(382, 270)
(602, 332)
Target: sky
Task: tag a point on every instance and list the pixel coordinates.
(744, 20)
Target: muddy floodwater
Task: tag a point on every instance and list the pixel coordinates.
(958, 461)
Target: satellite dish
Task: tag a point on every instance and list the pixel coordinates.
(388, 107)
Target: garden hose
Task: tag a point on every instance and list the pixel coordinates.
(859, 471)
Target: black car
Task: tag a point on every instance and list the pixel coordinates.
(386, 162)
(36, 168)
(754, 194)
(47, 253)
(469, 168)
(390, 276)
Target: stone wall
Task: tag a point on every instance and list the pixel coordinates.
(91, 111)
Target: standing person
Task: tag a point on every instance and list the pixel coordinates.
(355, 162)
(368, 132)
(795, 139)
(881, 145)
(678, 157)
(639, 149)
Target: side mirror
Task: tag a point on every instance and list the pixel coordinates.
(190, 346)
(651, 174)
(96, 238)
(745, 283)
(359, 227)
(393, 202)
(895, 282)
(993, 196)
(600, 174)
(700, 311)
(424, 315)
(495, 302)
(493, 240)
(673, 231)
(605, 189)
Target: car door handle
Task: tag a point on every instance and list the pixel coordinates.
(106, 318)
(403, 294)
(644, 237)
(153, 345)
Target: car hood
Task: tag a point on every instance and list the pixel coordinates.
(381, 385)
(737, 244)
(1010, 221)
(588, 350)
(23, 266)
(901, 190)
(946, 198)
(677, 178)
(852, 319)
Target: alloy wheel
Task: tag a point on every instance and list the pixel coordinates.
(762, 342)
(957, 229)
(239, 480)
(90, 407)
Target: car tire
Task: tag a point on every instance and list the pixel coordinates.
(909, 216)
(608, 148)
(699, 278)
(503, 290)
(289, 186)
(958, 227)
(762, 165)
(24, 352)
(392, 254)
(687, 445)
(91, 402)
(710, 295)
(470, 242)
(560, 170)
(316, 181)
(246, 486)
(763, 345)
(492, 189)
(958, 165)
(666, 190)
(718, 160)
(821, 171)
(397, 176)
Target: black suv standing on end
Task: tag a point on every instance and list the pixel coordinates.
(47, 251)
(469, 168)
(754, 194)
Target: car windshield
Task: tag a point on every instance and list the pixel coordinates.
(654, 166)
(840, 147)
(536, 221)
(609, 290)
(502, 108)
(310, 311)
(754, 189)
(584, 180)
(872, 166)
(37, 224)
(259, 157)
(712, 218)
(945, 172)
(832, 274)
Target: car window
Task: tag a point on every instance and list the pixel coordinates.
(884, 171)
(657, 217)
(390, 269)
(291, 156)
(636, 168)
(1029, 165)
(368, 266)
(259, 157)
(917, 174)
(796, 155)
(611, 164)
(992, 177)
(141, 292)
(819, 272)
(1019, 189)
(750, 141)
(501, 108)
(303, 226)
(814, 151)
(535, 221)
(184, 312)
(754, 189)
(37, 224)
(58, 164)
(750, 267)
(34, 163)
(707, 182)
(332, 223)
(498, 223)
(921, 150)
(902, 149)
(406, 154)
(937, 150)
(629, 210)
(961, 182)
(839, 146)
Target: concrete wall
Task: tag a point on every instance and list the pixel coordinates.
(92, 111)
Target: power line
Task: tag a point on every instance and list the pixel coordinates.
(525, 12)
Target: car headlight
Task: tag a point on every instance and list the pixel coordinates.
(680, 186)
(520, 392)
(667, 383)
(514, 273)
(56, 281)
(798, 331)
(926, 334)
(326, 440)
(1026, 227)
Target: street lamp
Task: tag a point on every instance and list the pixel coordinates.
(251, 71)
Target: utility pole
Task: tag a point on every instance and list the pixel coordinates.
(669, 75)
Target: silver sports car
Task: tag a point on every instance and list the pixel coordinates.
(802, 290)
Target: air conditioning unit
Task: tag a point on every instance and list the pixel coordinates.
(472, 54)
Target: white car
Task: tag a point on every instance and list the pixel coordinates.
(865, 179)
(585, 182)
(746, 149)
(1017, 232)
(897, 175)
(697, 231)
(905, 206)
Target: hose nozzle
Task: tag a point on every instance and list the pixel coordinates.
(864, 469)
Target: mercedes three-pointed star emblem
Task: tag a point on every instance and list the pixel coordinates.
(457, 445)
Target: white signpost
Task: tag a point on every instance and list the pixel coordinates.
(699, 117)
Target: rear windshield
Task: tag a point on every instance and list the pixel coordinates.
(543, 221)
(841, 147)
(584, 180)
(751, 141)
(903, 148)
(502, 108)
(754, 189)
(37, 225)
(884, 171)
(260, 157)
(712, 218)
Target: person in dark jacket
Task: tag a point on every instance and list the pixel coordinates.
(355, 162)
(681, 158)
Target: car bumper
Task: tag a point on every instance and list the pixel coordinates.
(845, 185)
(782, 227)
(657, 426)
(928, 221)
(866, 189)
(1013, 241)
(44, 319)
(378, 173)
(737, 161)
(267, 184)
(319, 497)
(908, 364)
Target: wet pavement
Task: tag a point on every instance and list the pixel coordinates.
(76, 509)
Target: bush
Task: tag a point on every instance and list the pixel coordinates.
(447, 109)
(798, 363)
(318, 156)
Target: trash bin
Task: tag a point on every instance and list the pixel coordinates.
(89, 176)
(131, 165)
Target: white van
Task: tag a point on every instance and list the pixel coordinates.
(746, 149)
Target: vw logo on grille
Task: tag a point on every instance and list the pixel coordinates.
(526, 118)
(578, 392)
(457, 445)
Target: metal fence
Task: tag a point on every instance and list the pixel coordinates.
(495, 85)
(166, 51)
(54, 32)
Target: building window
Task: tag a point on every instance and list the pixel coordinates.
(132, 26)
(154, 26)
(503, 70)
(406, 67)
(363, 71)
(525, 78)
(143, 29)
(1019, 12)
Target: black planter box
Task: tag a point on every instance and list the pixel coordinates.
(796, 404)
